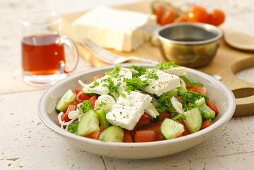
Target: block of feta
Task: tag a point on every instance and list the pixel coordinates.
(98, 86)
(128, 110)
(164, 83)
(112, 28)
(178, 71)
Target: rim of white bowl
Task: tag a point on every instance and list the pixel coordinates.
(54, 127)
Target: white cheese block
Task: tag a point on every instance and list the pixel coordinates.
(178, 71)
(111, 28)
(164, 83)
(101, 89)
(128, 110)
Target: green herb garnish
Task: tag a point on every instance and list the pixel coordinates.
(72, 128)
(152, 75)
(167, 65)
(188, 99)
(138, 70)
(85, 106)
(135, 84)
(113, 89)
(114, 72)
(95, 83)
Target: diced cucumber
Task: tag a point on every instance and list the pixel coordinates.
(65, 101)
(200, 102)
(171, 129)
(206, 112)
(193, 120)
(172, 93)
(88, 123)
(183, 85)
(102, 119)
(112, 134)
(104, 102)
(189, 81)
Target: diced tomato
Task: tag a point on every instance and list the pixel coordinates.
(65, 117)
(82, 96)
(213, 107)
(156, 127)
(205, 124)
(144, 120)
(186, 130)
(77, 90)
(94, 135)
(127, 136)
(92, 100)
(165, 115)
(75, 103)
(145, 136)
(197, 89)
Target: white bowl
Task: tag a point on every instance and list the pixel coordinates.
(217, 92)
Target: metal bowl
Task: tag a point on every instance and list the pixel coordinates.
(189, 44)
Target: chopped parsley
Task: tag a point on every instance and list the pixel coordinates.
(85, 106)
(152, 75)
(188, 99)
(138, 70)
(135, 84)
(114, 72)
(164, 103)
(113, 89)
(95, 83)
(72, 128)
(167, 65)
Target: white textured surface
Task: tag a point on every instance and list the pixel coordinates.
(27, 144)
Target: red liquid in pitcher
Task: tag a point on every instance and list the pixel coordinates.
(42, 54)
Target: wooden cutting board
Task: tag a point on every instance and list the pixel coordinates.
(227, 62)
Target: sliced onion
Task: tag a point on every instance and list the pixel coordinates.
(81, 92)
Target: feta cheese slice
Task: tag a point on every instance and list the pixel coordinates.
(164, 83)
(178, 71)
(128, 110)
(97, 88)
(112, 28)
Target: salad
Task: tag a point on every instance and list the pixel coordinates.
(137, 104)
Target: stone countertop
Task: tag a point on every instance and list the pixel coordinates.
(25, 143)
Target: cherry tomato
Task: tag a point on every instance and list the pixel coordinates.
(216, 17)
(182, 18)
(168, 17)
(197, 14)
(158, 12)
